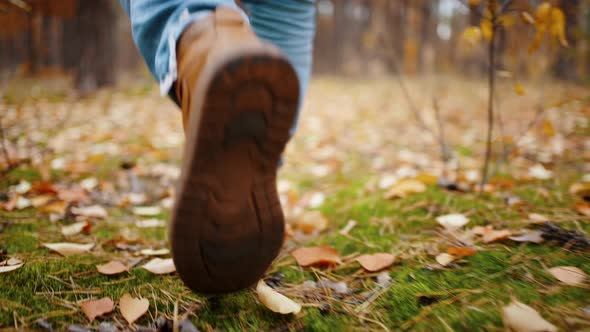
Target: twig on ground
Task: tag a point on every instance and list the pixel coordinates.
(4, 149)
(445, 154)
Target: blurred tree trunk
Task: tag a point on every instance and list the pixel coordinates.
(35, 38)
(565, 66)
(96, 23)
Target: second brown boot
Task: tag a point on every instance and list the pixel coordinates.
(239, 99)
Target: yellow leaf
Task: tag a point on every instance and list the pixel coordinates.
(519, 89)
(506, 20)
(472, 35)
(487, 30)
(548, 128)
(543, 13)
(557, 26)
(474, 3)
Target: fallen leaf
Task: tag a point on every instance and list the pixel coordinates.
(112, 267)
(312, 221)
(95, 211)
(22, 203)
(569, 275)
(22, 187)
(150, 223)
(75, 194)
(580, 189)
(460, 251)
(147, 211)
(489, 234)
(452, 221)
(445, 259)
(89, 183)
(521, 318)
(9, 268)
(316, 256)
(539, 172)
(74, 229)
(160, 266)
(531, 236)
(133, 308)
(157, 252)
(376, 262)
(68, 249)
(57, 207)
(40, 201)
(538, 218)
(405, 188)
(583, 208)
(95, 308)
(275, 301)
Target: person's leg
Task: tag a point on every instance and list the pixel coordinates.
(290, 25)
(157, 26)
(239, 98)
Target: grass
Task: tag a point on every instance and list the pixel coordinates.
(467, 297)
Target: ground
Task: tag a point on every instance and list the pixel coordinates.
(357, 140)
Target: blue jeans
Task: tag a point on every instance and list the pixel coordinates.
(158, 24)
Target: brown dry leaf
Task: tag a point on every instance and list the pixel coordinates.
(68, 249)
(95, 308)
(312, 221)
(316, 256)
(160, 266)
(57, 207)
(133, 308)
(376, 262)
(569, 275)
(112, 267)
(445, 259)
(73, 229)
(583, 208)
(489, 234)
(405, 188)
(275, 301)
(73, 195)
(538, 218)
(460, 251)
(519, 317)
(580, 189)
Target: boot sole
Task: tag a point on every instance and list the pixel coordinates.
(227, 223)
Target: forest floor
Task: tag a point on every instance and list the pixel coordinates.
(361, 177)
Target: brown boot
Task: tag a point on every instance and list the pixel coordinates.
(239, 98)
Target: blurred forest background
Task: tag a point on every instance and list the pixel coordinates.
(90, 40)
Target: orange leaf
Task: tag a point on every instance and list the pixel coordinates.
(583, 208)
(460, 251)
(376, 262)
(95, 308)
(316, 256)
(489, 234)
